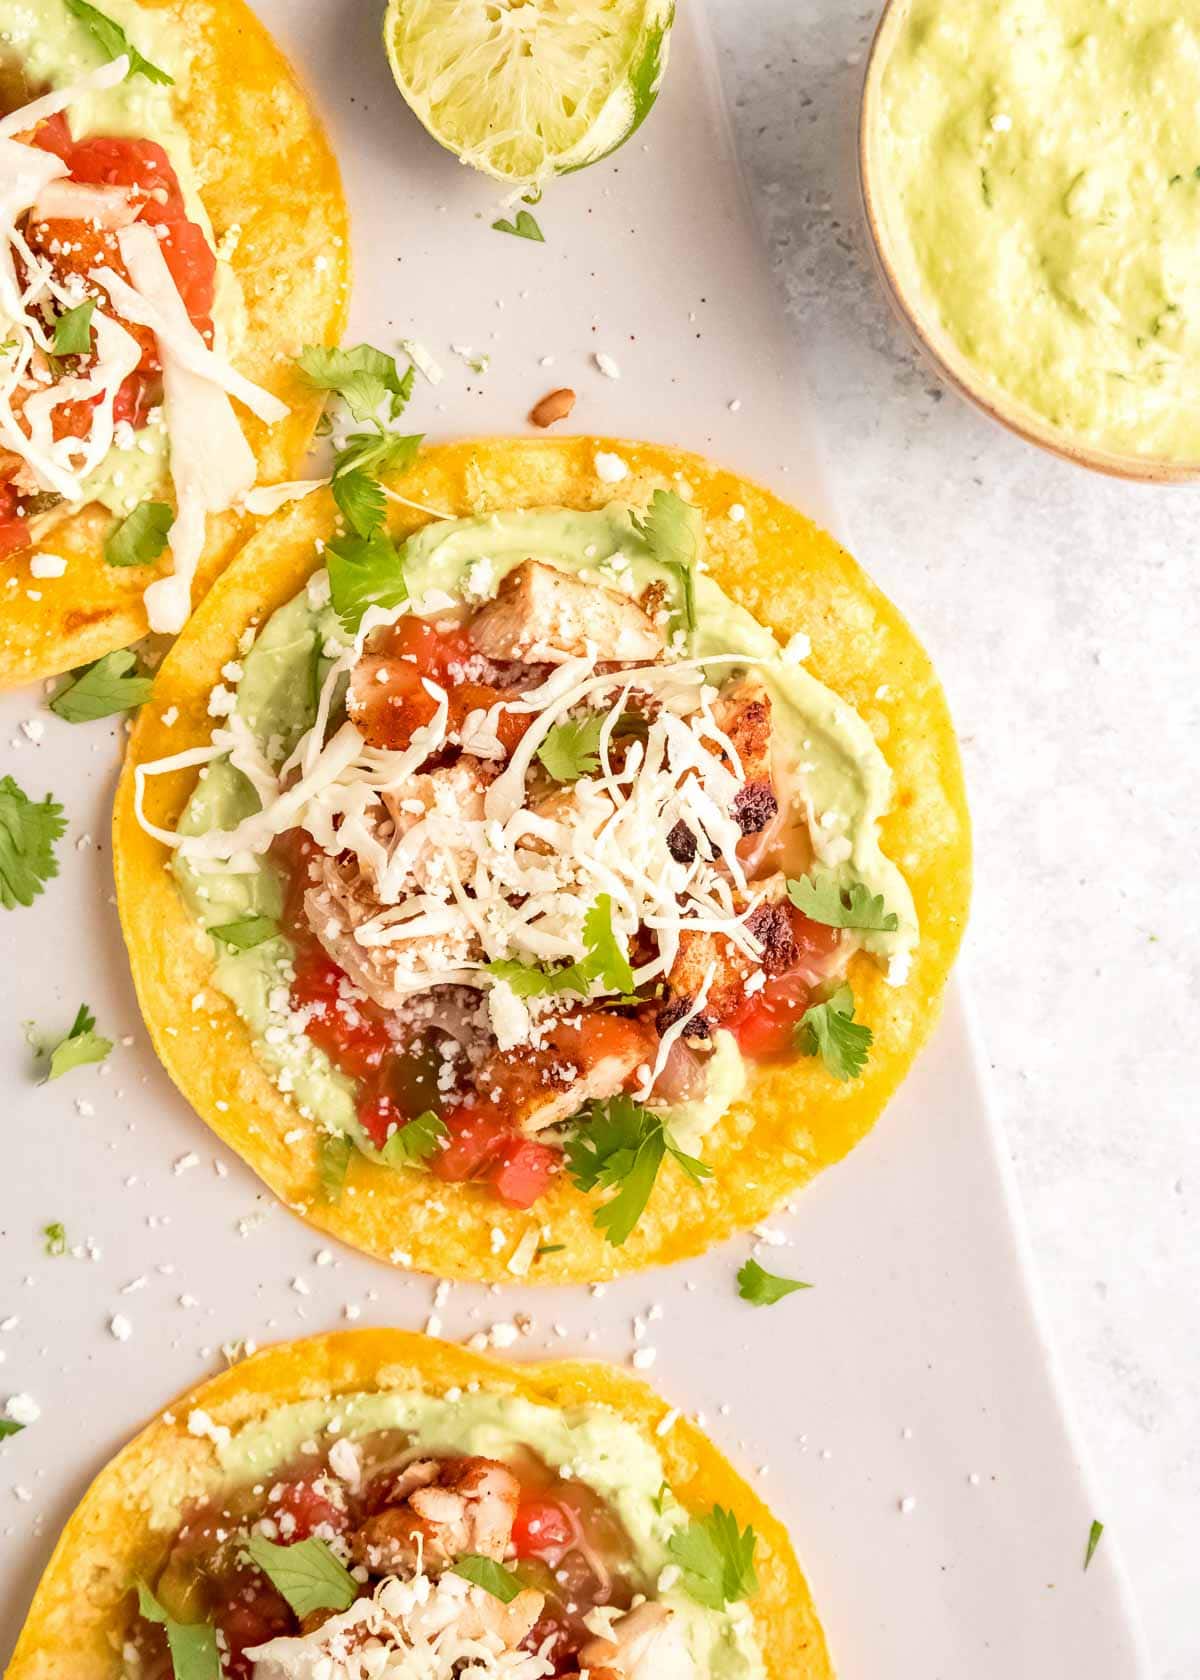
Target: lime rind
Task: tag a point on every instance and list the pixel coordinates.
(526, 89)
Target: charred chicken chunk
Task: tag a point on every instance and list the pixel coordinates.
(583, 1060)
(437, 1512)
(542, 613)
(647, 1643)
(713, 958)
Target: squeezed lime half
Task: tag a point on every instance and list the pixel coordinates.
(526, 89)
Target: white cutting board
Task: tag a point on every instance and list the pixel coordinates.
(916, 1368)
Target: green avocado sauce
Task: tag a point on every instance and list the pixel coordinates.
(1038, 170)
(590, 1443)
(55, 49)
(845, 773)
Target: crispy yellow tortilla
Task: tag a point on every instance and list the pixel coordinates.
(76, 1621)
(795, 1118)
(272, 190)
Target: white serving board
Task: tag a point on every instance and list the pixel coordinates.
(917, 1366)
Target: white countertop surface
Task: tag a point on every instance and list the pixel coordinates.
(1063, 611)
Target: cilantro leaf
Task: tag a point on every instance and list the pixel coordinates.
(246, 933)
(830, 1031)
(193, 1645)
(823, 899)
(364, 572)
(56, 1238)
(1094, 1533)
(362, 376)
(28, 833)
(360, 499)
(378, 452)
(671, 529)
(491, 1576)
(717, 1559)
(402, 392)
(334, 1150)
(8, 1427)
(416, 1140)
(83, 1044)
(624, 1144)
(528, 980)
(73, 330)
(525, 227)
(605, 961)
(111, 685)
(307, 1574)
(112, 39)
(572, 748)
(762, 1288)
(141, 536)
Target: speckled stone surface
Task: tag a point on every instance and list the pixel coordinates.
(1064, 613)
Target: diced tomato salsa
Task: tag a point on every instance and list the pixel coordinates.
(397, 702)
(76, 247)
(568, 1545)
(765, 1025)
(397, 1079)
(144, 166)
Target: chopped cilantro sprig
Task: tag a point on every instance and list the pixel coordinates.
(716, 1556)
(525, 227)
(366, 569)
(485, 1572)
(415, 1141)
(762, 1288)
(605, 962)
(306, 1573)
(28, 833)
(672, 530)
(113, 42)
(193, 1645)
(83, 1044)
(112, 685)
(823, 899)
(622, 1145)
(830, 1031)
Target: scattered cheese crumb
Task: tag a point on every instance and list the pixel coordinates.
(610, 469)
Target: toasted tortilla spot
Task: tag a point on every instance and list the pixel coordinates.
(82, 1605)
(265, 168)
(794, 1119)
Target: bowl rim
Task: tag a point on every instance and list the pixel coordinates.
(952, 365)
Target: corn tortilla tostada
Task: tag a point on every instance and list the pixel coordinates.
(533, 1519)
(555, 893)
(173, 228)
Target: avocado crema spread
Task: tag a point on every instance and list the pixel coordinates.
(1037, 166)
(44, 47)
(559, 848)
(516, 1539)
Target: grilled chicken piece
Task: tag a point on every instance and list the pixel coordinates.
(648, 1643)
(75, 246)
(486, 1617)
(459, 1505)
(584, 1059)
(542, 613)
(770, 923)
(742, 711)
(457, 789)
